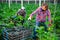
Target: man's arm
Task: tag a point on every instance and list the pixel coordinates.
(36, 11)
(49, 16)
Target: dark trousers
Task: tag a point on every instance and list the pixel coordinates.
(38, 24)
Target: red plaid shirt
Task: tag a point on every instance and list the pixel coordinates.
(40, 15)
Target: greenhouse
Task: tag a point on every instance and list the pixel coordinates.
(29, 20)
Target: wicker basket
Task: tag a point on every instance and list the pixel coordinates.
(17, 34)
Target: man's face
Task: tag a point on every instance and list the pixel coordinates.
(44, 8)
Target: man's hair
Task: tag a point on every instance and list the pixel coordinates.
(46, 5)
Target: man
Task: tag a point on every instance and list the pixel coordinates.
(22, 12)
(41, 14)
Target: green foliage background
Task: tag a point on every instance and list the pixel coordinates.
(6, 15)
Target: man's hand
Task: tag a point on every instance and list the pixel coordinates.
(50, 25)
(29, 18)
